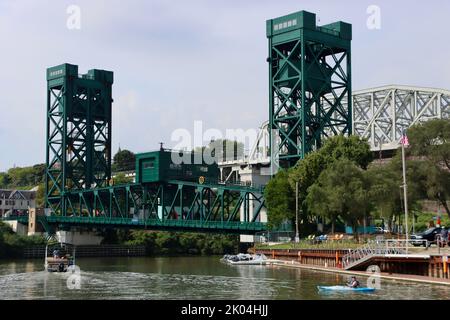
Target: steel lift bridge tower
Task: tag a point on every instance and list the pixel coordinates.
(78, 132)
(308, 64)
(310, 95)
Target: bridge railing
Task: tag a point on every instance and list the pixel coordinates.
(377, 248)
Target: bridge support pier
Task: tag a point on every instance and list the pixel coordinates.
(253, 175)
(79, 238)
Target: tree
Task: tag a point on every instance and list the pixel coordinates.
(40, 196)
(340, 191)
(436, 183)
(25, 178)
(385, 192)
(124, 160)
(307, 171)
(353, 148)
(5, 180)
(431, 142)
(280, 200)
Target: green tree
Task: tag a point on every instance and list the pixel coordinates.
(386, 189)
(307, 171)
(384, 192)
(435, 183)
(40, 195)
(5, 180)
(24, 178)
(352, 148)
(430, 142)
(124, 160)
(280, 200)
(340, 191)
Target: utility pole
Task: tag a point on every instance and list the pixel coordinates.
(405, 188)
(297, 235)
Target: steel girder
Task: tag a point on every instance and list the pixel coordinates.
(381, 114)
(307, 63)
(175, 205)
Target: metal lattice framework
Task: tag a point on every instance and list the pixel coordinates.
(307, 64)
(172, 205)
(78, 132)
(381, 114)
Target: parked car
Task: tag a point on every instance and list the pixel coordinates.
(380, 230)
(430, 235)
(321, 238)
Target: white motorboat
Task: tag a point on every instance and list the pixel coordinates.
(245, 259)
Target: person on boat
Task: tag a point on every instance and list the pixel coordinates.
(353, 283)
(56, 254)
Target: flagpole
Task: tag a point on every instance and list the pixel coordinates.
(405, 188)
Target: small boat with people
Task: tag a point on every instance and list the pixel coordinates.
(245, 259)
(59, 257)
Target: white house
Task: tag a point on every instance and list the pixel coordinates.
(16, 202)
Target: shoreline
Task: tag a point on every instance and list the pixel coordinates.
(395, 277)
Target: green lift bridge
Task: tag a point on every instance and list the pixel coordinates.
(80, 190)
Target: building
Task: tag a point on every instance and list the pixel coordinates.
(16, 202)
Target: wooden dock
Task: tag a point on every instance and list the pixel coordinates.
(430, 263)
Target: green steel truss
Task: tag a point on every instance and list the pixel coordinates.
(175, 205)
(310, 79)
(78, 132)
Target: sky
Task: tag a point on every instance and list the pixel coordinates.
(177, 62)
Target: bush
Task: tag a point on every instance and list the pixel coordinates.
(12, 245)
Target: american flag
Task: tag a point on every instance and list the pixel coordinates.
(404, 141)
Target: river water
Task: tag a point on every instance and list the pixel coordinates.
(172, 278)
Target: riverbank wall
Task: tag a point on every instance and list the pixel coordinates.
(38, 252)
(432, 266)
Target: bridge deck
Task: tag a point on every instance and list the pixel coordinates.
(231, 227)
